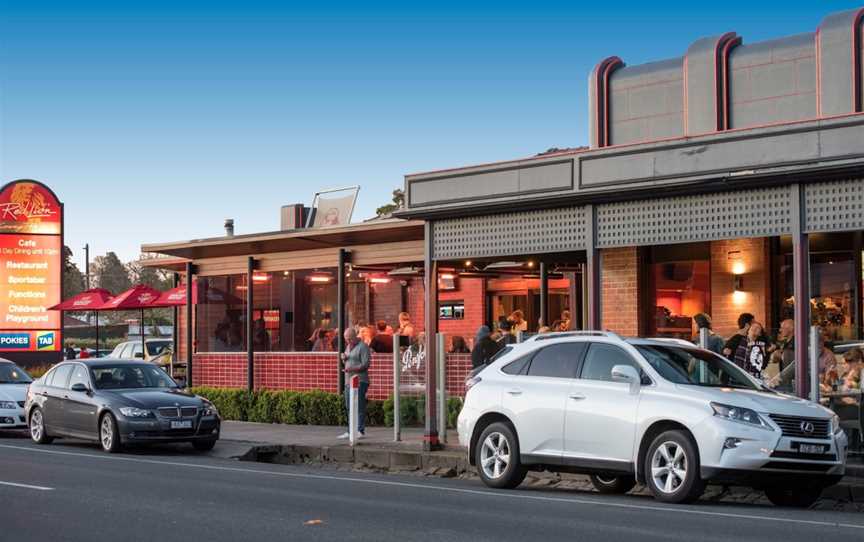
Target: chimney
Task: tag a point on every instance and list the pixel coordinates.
(229, 227)
(294, 216)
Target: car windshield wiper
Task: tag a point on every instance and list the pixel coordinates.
(733, 386)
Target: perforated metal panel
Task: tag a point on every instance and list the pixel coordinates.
(834, 206)
(509, 234)
(706, 217)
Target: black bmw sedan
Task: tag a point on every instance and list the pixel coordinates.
(117, 402)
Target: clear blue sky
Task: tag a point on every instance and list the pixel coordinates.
(156, 120)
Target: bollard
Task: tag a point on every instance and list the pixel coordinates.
(814, 364)
(519, 336)
(442, 389)
(397, 376)
(352, 411)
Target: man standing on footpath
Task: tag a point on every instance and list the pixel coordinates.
(356, 357)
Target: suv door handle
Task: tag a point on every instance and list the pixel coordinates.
(577, 396)
(514, 392)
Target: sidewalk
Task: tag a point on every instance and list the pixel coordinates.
(297, 444)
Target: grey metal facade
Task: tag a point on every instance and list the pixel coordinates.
(510, 234)
(834, 206)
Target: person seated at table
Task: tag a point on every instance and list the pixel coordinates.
(854, 359)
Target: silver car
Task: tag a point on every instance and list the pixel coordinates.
(116, 402)
(671, 416)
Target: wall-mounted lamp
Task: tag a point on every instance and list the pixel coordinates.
(738, 283)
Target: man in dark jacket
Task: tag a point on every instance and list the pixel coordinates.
(484, 347)
(744, 321)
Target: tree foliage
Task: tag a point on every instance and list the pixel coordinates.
(111, 274)
(396, 204)
(74, 281)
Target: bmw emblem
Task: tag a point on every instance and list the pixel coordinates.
(807, 427)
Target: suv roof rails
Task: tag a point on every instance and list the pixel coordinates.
(559, 334)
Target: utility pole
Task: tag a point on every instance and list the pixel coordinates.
(87, 266)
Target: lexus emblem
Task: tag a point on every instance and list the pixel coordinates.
(807, 427)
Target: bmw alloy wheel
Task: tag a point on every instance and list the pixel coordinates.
(37, 427)
(495, 455)
(669, 467)
(106, 432)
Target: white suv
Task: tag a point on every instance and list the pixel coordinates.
(657, 412)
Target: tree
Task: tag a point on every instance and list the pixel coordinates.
(389, 208)
(151, 276)
(111, 274)
(73, 279)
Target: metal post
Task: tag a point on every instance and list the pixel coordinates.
(442, 388)
(430, 435)
(703, 337)
(592, 268)
(87, 265)
(175, 337)
(340, 314)
(519, 336)
(250, 328)
(397, 374)
(143, 344)
(801, 290)
(544, 294)
(189, 324)
(814, 363)
(352, 409)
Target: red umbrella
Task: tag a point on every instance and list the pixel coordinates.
(139, 297)
(87, 300)
(174, 297)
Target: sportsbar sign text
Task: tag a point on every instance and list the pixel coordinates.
(31, 261)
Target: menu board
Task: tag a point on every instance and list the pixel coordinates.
(31, 262)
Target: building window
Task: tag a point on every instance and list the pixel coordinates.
(221, 314)
(679, 287)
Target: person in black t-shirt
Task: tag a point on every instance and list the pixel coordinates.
(731, 346)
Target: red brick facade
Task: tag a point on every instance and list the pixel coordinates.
(620, 290)
(299, 371)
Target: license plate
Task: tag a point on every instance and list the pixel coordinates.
(811, 448)
(183, 424)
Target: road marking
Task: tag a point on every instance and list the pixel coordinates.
(464, 491)
(27, 486)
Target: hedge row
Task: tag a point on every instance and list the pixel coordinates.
(314, 407)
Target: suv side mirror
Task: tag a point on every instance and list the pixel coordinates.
(80, 387)
(628, 375)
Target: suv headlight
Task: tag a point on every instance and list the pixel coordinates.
(8, 405)
(132, 412)
(740, 415)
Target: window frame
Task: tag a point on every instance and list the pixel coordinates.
(584, 345)
(645, 379)
(86, 369)
(54, 372)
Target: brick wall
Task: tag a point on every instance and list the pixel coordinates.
(750, 257)
(298, 371)
(620, 290)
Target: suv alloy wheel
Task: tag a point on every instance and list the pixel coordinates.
(613, 484)
(672, 468)
(497, 457)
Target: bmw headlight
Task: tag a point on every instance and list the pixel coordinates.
(209, 410)
(8, 405)
(132, 412)
(741, 415)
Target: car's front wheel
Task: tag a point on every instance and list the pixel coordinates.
(37, 427)
(109, 435)
(672, 468)
(797, 497)
(497, 457)
(612, 484)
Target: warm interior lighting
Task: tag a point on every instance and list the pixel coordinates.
(738, 268)
(467, 263)
(262, 277)
(379, 280)
(739, 297)
(530, 263)
(448, 276)
(321, 279)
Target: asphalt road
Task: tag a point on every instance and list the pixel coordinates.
(74, 492)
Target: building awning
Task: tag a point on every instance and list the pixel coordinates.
(368, 233)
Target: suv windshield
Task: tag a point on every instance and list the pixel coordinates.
(154, 348)
(681, 365)
(129, 376)
(12, 374)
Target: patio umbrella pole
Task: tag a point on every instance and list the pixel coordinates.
(143, 346)
(96, 314)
